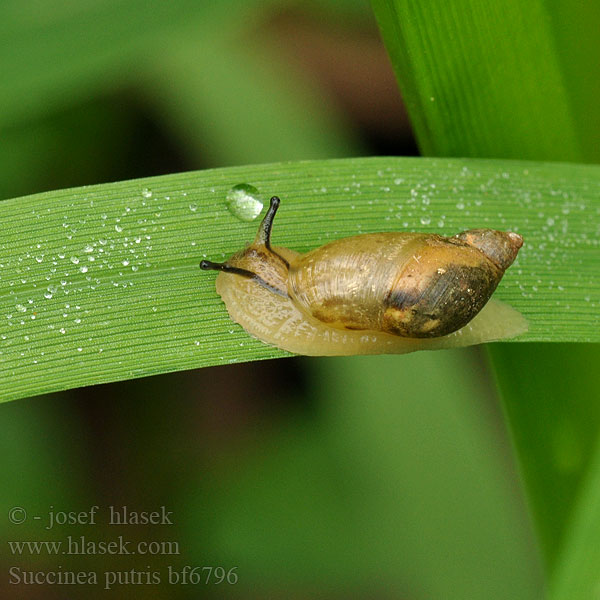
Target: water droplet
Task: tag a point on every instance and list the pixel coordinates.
(20, 308)
(118, 228)
(147, 193)
(193, 207)
(74, 260)
(244, 202)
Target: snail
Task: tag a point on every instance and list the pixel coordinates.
(371, 293)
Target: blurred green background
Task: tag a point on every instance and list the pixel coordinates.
(362, 477)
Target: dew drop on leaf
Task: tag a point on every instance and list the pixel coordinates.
(244, 202)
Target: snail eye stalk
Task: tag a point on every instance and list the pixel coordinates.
(263, 237)
(207, 265)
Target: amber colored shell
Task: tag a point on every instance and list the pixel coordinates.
(407, 284)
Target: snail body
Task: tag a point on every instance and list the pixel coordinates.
(372, 293)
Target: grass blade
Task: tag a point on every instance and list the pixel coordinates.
(512, 80)
(101, 283)
(576, 577)
(465, 106)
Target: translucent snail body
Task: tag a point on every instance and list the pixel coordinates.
(372, 293)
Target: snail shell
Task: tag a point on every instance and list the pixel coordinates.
(372, 293)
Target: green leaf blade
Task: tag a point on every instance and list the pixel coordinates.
(512, 80)
(142, 306)
(467, 96)
(576, 577)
